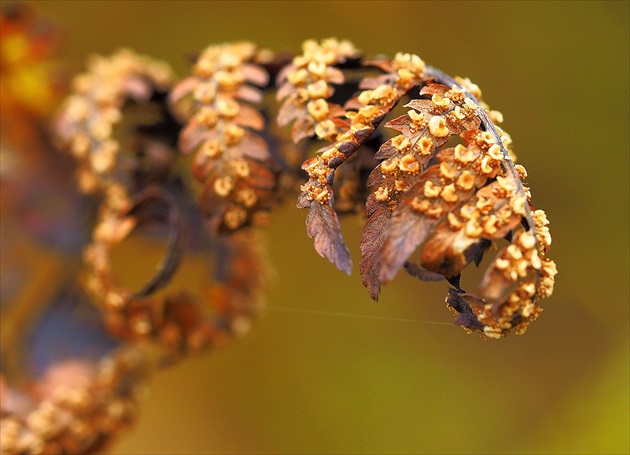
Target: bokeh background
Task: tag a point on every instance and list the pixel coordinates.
(308, 382)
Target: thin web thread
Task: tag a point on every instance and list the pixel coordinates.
(349, 315)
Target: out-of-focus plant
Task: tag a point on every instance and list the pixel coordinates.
(200, 162)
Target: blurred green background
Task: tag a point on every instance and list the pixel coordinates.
(317, 383)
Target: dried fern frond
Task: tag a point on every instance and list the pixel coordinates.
(232, 159)
(86, 122)
(472, 195)
(135, 194)
(82, 414)
(175, 322)
(427, 125)
(449, 203)
(440, 194)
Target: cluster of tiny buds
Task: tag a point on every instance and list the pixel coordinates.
(548, 267)
(519, 264)
(86, 122)
(519, 309)
(409, 69)
(426, 125)
(406, 71)
(457, 177)
(519, 258)
(219, 117)
(307, 83)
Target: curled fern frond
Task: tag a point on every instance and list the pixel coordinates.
(232, 159)
(450, 202)
(452, 208)
(139, 186)
(176, 322)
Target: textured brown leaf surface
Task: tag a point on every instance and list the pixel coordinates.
(371, 243)
(322, 225)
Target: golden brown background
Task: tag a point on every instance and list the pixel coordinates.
(316, 383)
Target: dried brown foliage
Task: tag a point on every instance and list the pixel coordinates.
(138, 189)
(232, 159)
(438, 195)
(450, 203)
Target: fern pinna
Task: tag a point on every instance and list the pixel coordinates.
(204, 158)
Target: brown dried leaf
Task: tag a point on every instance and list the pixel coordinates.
(405, 232)
(322, 225)
(371, 243)
(251, 146)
